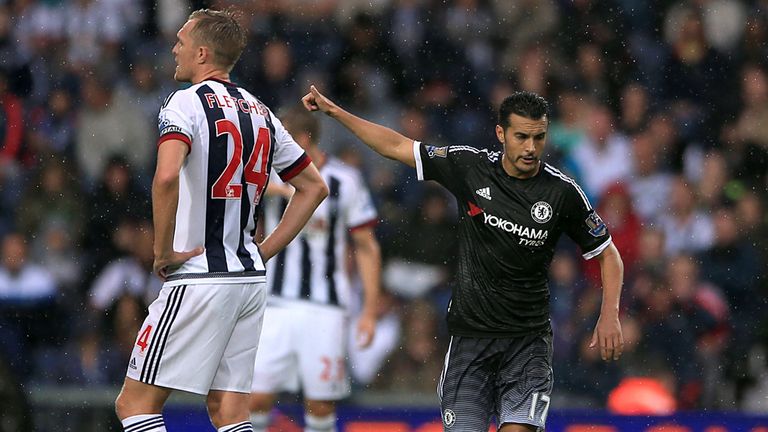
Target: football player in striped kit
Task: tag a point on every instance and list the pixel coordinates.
(218, 144)
(513, 209)
(304, 341)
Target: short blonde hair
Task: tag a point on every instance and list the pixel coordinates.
(220, 31)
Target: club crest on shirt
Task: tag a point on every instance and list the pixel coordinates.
(541, 212)
(449, 418)
(596, 225)
(433, 151)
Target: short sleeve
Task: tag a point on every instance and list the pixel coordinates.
(445, 165)
(289, 158)
(583, 224)
(360, 211)
(174, 120)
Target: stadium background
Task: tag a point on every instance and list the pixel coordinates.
(659, 109)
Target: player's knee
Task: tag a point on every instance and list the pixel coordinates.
(125, 406)
(121, 406)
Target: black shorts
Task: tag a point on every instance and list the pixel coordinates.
(506, 378)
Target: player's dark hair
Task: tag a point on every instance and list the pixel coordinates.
(298, 120)
(220, 31)
(525, 104)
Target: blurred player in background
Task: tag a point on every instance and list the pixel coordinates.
(513, 208)
(303, 344)
(217, 146)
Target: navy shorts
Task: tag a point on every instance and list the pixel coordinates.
(509, 379)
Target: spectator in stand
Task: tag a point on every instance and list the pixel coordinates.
(714, 175)
(95, 30)
(706, 311)
(364, 47)
(745, 140)
(117, 304)
(53, 195)
(686, 227)
(109, 126)
(667, 333)
(529, 22)
(567, 286)
(52, 125)
(144, 91)
(698, 80)
(11, 126)
(754, 43)
(635, 102)
(592, 71)
(27, 304)
(468, 24)
(733, 264)
(753, 224)
(422, 255)
(606, 147)
(619, 215)
(649, 183)
(651, 250)
(271, 73)
(118, 198)
(666, 137)
(568, 128)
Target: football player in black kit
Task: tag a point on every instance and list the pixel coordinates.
(513, 207)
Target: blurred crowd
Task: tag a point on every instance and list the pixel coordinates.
(659, 109)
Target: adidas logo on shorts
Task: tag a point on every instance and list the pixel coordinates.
(132, 364)
(484, 192)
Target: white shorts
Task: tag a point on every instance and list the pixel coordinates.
(303, 346)
(198, 338)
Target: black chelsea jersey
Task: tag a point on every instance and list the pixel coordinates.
(508, 230)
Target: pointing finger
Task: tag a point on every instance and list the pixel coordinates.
(309, 102)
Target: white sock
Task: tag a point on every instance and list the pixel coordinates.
(320, 424)
(260, 421)
(144, 423)
(237, 427)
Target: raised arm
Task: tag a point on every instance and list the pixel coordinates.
(310, 192)
(382, 140)
(607, 334)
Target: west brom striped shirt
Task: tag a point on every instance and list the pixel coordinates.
(234, 142)
(311, 268)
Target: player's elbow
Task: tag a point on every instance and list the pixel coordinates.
(318, 190)
(402, 151)
(164, 180)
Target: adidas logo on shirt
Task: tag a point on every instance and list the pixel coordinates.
(484, 192)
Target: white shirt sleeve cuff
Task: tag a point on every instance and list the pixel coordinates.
(595, 252)
(417, 158)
